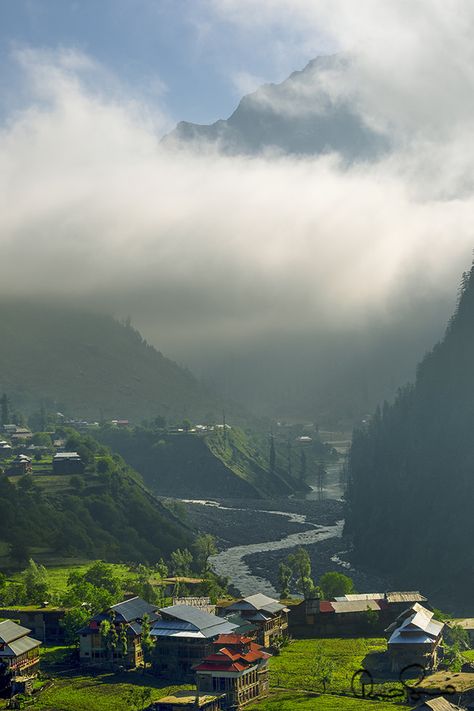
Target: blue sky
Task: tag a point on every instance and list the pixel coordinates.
(183, 53)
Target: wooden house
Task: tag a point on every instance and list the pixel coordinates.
(268, 615)
(349, 615)
(20, 465)
(415, 638)
(237, 668)
(19, 653)
(183, 636)
(44, 622)
(67, 463)
(127, 618)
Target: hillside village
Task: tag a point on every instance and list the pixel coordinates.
(170, 637)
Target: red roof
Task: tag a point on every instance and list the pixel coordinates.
(233, 659)
(234, 666)
(226, 639)
(325, 606)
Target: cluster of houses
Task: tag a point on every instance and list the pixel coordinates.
(225, 649)
(17, 452)
(225, 652)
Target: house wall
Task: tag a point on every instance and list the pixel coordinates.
(45, 624)
(239, 688)
(175, 656)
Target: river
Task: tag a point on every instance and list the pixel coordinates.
(231, 563)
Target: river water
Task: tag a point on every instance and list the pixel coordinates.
(230, 563)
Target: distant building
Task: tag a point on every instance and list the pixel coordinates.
(188, 700)
(127, 617)
(44, 622)
(268, 615)
(175, 586)
(349, 615)
(5, 449)
(19, 653)
(67, 463)
(20, 465)
(202, 603)
(237, 668)
(437, 704)
(183, 636)
(415, 638)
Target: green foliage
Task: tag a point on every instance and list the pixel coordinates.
(204, 546)
(35, 579)
(284, 579)
(72, 621)
(117, 520)
(300, 564)
(421, 448)
(335, 585)
(181, 561)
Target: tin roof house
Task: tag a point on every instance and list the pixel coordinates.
(415, 638)
(19, 653)
(269, 615)
(183, 636)
(127, 617)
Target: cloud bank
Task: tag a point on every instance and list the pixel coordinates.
(207, 251)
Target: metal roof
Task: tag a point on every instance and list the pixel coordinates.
(134, 609)
(187, 621)
(418, 628)
(259, 601)
(19, 646)
(357, 597)
(66, 455)
(438, 704)
(10, 631)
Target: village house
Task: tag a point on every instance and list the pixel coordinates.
(183, 636)
(44, 622)
(188, 700)
(20, 465)
(349, 615)
(415, 638)
(237, 668)
(5, 449)
(269, 616)
(127, 618)
(67, 463)
(438, 704)
(455, 688)
(19, 653)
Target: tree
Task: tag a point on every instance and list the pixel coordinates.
(137, 699)
(289, 452)
(284, 579)
(272, 455)
(108, 631)
(35, 579)
(72, 622)
(321, 476)
(5, 409)
(146, 641)
(101, 575)
(335, 585)
(323, 667)
(303, 468)
(181, 562)
(300, 564)
(204, 546)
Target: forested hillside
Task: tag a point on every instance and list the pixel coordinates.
(411, 488)
(92, 366)
(196, 466)
(106, 513)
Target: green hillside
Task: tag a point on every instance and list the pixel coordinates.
(201, 465)
(411, 471)
(92, 366)
(105, 513)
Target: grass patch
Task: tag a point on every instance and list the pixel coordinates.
(469, 655)
(294, 668)
(104, 692)
(295, 701)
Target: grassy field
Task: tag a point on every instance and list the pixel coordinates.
(469, 655)
(294, 668)
(104, 692)
(296, 701)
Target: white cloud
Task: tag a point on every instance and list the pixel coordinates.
(214, 248)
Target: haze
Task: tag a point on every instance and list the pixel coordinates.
(230, 262)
